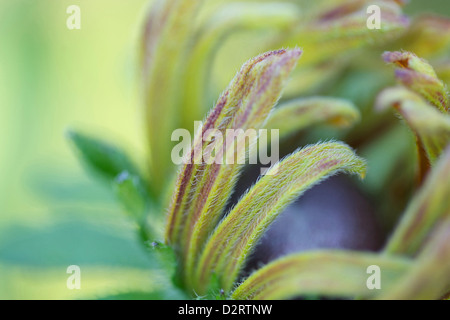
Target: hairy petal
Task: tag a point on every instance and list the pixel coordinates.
(236, 236)
(418, 75)
(325, 273)
(428, 36)
(336, 28)
(428, 207)
(429, 275)
(230, 18)
(431, 127)
(298, 114)
(166, 37)
(203, 188)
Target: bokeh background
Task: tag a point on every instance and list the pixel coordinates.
(52, 214)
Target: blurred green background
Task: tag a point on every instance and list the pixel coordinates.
(52, 214)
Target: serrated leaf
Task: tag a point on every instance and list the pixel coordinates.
(235, 237)
(431, 127)
(429, 275)
(430, 205)
(418, 75)
(166, 38)
(292, 116)
(324, 273)
(203, 189)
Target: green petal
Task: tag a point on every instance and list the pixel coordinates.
(430, 205)
(429, 276)
(324, 273)
(231, 18)
(166, 38)
(298, 114)
(420, 77)
(203, 189)
(236, 236)
(430, 125)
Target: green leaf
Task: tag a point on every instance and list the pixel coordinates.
(166, 256)
(168, 261)
(170, 289)
(113, 165)
(74, 241)
(103, 158)
(428, 207)
(130, 190)
(164, 294)
(235, 237)
(324, 273)
(203, 188)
